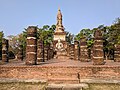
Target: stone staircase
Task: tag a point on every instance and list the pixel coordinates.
(63, 77)
(67, 87)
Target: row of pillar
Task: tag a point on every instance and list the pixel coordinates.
(97, 55)
(79, 53)
(36, 51)
(44, 52)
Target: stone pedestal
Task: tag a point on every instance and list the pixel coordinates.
(20, 53)
(31, 49)
(62, 55)
(117, 53)
(5, 46)
(98, 55)
(71, 51)
(83, 50)
(76, 50)
(60, 48)
(40, 51)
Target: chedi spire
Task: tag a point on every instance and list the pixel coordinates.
(59, 26)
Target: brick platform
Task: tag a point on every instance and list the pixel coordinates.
(67, 87)
(61, 71)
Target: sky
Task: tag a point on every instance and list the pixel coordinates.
(15, 15)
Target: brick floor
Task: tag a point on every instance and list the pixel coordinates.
(64, 63)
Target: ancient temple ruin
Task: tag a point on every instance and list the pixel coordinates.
(60, 62)
(59, 40)
(37, 52)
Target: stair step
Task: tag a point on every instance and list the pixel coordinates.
(64, 80)
(63, 75)
(67, 87)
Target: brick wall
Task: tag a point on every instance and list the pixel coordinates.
(47, 72)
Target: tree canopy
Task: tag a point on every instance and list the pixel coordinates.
(111, 37)
(1, 36)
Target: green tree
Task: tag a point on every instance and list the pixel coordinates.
(22, 40)
(111, 37)
(86, 33)
(16, 41)
(13, 43)
(115, 32)
(1, 36)
(45, 33)
(69, 37)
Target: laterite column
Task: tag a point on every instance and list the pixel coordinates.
(5, 46)
(31, 49)
(76, 50)
(68, 49)
(91, 56)
(98, 55)
(20, 53)
(46, 53)
(71, 51)
(117, 53)
(40, 51)
(83, 50)
(49, 53)
(52, 55)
